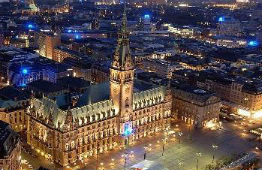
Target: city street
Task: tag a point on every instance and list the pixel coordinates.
(194, 149)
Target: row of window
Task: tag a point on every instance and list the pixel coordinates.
(94, 118)
(145, 103)
(91, 138)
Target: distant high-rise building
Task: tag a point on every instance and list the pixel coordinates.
(147, 22)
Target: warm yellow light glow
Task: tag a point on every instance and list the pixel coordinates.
(212, 124)
(183, 5)
(243, 112)
(257, 114)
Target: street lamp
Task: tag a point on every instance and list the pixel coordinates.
(147, 148)
(125, 157)
(163, 148)
(198, 154)
(144, 152)
(179, 134)
(165, 140)
(214, 148)
(102, 166)
(112, 162)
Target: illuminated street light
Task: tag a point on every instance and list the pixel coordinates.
(214, 148)
(198, 154)
(165, 139)
(179, 134)
(147, 148)
(125, 157)
(112, 162)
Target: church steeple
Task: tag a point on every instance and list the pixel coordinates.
(122, 59)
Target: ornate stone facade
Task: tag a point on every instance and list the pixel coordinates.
(195, 106)
(10, 148)
(97, 122)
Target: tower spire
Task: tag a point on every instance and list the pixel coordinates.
(124, 21)
(122, 58)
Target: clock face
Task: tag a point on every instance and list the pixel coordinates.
(127, 90)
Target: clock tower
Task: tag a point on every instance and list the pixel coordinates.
(122, 80)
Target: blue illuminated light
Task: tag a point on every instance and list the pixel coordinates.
(221, 19)
(69, 31)
(127, 129)
(24, 71)
(30, 26)
(77, 36)
(23, 85)
(253, 43)
(147, 16)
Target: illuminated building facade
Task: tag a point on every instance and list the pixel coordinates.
(47, 43)
(80, 67)
(12, 109)
(61, 53)
(147, 23)
(100, 72)
(195, 106)
(36, 69)
(161, 67)
(242, 1)
(107, 115)
(243, 97)
(10, 155)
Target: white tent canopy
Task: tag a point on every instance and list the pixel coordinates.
(147, 165)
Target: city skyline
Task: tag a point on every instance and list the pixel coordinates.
(112, 85)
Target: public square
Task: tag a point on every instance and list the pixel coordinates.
(194, 149)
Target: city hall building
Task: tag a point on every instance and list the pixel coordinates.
(70, 127)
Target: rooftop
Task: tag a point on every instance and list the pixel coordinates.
(96, 93)
(196, 94)
(44, 86)
(8, 139)
(11, 93)
(73, 83)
